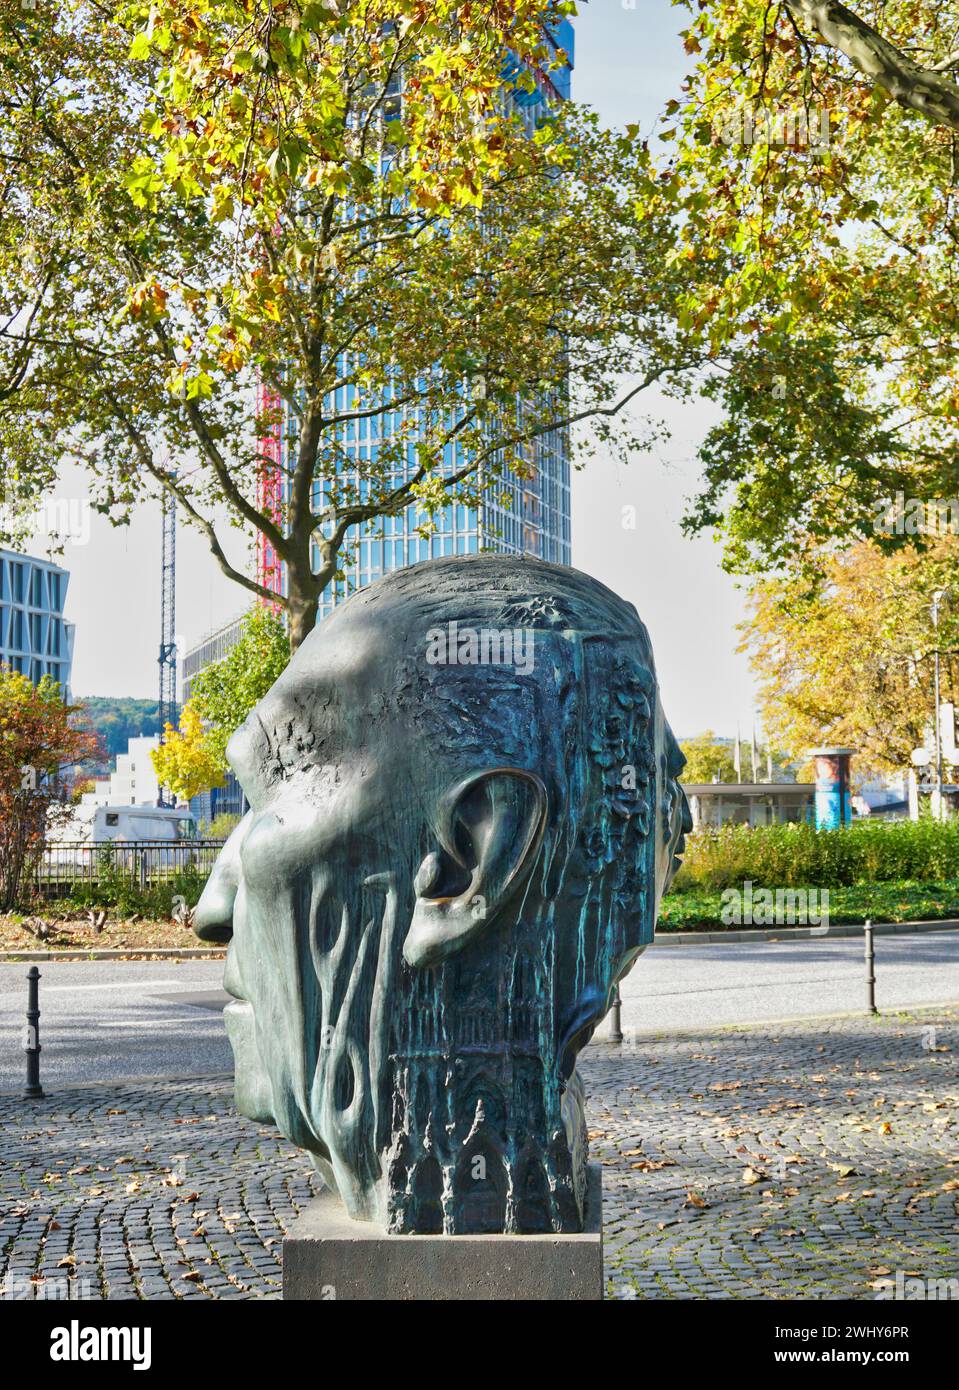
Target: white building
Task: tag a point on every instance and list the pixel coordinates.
(134, 783)
(883, 797)
(749, 803)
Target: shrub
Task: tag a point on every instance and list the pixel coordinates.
(791, 856)
(221, 827)
(115, 890)
(38, 741)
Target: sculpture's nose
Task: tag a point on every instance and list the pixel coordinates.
(213, 916)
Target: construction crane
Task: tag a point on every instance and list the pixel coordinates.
(168, 701)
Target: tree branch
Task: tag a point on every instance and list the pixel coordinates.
(923, 90)
(145, 455)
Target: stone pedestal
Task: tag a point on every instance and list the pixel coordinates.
(327, 1255)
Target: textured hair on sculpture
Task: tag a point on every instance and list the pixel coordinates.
(464, 810)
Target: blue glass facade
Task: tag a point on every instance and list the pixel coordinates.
(34, 638)
(520, 516)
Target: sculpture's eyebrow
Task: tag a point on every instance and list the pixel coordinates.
(241, 753)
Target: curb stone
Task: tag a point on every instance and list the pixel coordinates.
(785, 934)
(145, 953)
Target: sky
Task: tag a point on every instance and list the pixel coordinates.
(629, 61)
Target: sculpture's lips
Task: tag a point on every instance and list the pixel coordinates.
(231, 981)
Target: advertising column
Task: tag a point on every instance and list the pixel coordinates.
(833, 806)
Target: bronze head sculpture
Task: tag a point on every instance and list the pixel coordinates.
(464, 811)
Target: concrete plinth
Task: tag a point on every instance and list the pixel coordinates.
(327, 1255)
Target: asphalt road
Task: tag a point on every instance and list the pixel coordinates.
(116, 1019)
(125, 1019)
(679, 987)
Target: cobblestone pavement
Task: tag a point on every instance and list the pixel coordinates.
(817, 1160)
(150, 1190)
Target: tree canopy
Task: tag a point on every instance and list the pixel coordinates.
(713, 759)
(815, 164)
(192, 759)
(117, 719)
(39, 740)
(850, 661)
(708, 759)
(342, 204)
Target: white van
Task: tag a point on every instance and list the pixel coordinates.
(136, 823)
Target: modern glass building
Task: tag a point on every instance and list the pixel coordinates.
(211, 649)
(227, 800)
(34, 638)
(521, 516)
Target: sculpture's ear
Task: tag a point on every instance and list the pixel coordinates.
(490, 828)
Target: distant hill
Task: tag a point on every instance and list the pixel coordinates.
(117, 721)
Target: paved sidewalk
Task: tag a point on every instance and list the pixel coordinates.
(812, 1160)
(149, 1190)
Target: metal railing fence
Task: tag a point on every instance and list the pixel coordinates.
(141, 863)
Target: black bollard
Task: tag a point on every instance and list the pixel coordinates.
(33, 1090)
(870, 969)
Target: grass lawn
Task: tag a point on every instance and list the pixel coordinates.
(904, 901)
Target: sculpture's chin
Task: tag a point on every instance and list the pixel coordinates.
(254, 1094)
